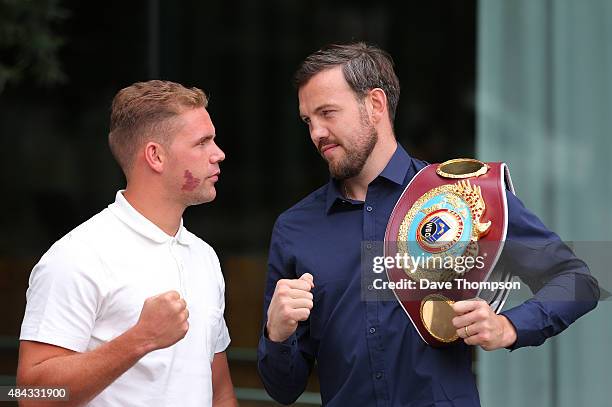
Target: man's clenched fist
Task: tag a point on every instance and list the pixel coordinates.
(163, 320)
(291, 303)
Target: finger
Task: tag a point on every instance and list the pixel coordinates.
(300, 314)
(296, 303)
(472, 340)
(465, 319)
(462, 307)
(298, 284)
(295, 293)
(308, 277)
(476, 315)
(481, 337)
(172, 295)
(467, 331)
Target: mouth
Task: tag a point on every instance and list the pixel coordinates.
(215, 176)
(327, 149)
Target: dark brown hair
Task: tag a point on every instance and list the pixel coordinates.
(364, 66)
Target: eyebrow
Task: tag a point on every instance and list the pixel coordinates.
(206, 137)
(319, 108)
(325, 106)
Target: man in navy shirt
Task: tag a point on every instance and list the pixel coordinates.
(368, 353)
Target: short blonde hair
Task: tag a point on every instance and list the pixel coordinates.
(143, 112)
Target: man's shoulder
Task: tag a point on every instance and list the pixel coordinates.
(94, 230)
(76, 251)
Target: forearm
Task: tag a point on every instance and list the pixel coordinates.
(223, 389)
(86, 374)
(228, 399)
(557, 305)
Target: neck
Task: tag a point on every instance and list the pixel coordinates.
(163, 212)
(357, 187)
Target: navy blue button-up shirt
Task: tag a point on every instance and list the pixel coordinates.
(368, 352)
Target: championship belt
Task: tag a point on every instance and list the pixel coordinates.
(446, 234)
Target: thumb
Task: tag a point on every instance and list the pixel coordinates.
(308, 277)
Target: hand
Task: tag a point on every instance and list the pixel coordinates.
(484, 327)
(291, 303)
(163, 320)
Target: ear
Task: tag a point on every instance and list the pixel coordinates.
(378, 101)
(155, 156)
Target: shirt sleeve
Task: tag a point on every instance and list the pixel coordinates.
(63, 297)
(284, 367)
(563, 286)
(222, 339)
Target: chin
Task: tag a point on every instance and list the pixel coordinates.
(201, 198)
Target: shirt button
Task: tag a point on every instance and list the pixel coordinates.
(284, 352)
(369, 246)
(369, 208)
(372, 330)
(378, 375)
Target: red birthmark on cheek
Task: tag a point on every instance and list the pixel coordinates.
(191, 182)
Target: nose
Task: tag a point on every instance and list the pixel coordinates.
(317, 132)
(217, 156)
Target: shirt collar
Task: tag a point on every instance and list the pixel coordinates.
(122, 209)
(395, 171)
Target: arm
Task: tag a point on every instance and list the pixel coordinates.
(223, 389)
(162, 322)
(563, 288)
(285, 355)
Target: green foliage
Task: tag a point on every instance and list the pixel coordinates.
(28, 44)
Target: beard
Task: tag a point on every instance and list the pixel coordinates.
(357, 153)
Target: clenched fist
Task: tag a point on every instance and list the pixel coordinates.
(291, 303)
(163, 320)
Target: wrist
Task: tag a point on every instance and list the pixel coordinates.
(272, 335)
(140, 343)
(509, 332)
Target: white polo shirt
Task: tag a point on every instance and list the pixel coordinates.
(91, 285)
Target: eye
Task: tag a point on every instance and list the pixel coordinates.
(328, 113)
(204, 140)
(306, 120)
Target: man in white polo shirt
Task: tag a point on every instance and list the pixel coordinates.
(127, 309)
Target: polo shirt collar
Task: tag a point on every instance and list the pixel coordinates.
(395, 171)
(122, 209)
